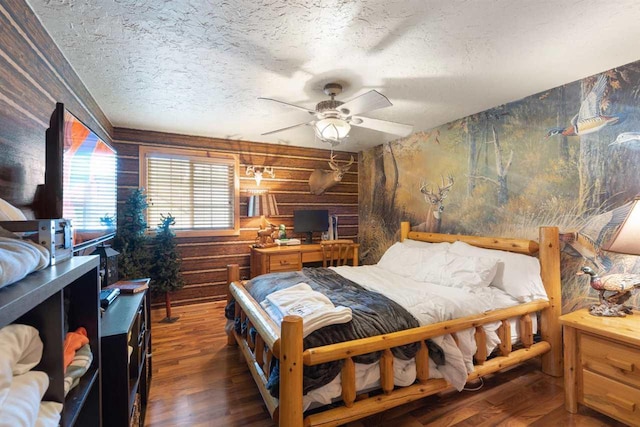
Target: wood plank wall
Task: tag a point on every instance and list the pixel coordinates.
(34, 75)
(205, 258)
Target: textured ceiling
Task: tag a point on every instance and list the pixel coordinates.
(197, 67)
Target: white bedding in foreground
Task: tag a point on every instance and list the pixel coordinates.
(429, 304)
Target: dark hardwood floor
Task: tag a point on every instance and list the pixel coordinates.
(199, 381)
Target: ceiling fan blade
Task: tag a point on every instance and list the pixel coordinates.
(288, 127)
(290, 105)
(364, 103)
(382, 125)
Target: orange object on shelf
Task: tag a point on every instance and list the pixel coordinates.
(72, 342)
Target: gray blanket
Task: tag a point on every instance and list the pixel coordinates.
(373, 314)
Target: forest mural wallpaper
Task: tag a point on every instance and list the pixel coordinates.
(568, 157)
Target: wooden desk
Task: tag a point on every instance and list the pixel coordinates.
(289, 258)
(602, 364)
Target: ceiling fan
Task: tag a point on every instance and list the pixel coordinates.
(332, 120)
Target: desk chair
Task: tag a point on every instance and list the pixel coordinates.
(335, 252)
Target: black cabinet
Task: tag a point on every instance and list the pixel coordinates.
(39, 300)
(126, 356)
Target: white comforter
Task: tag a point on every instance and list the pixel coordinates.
(19, 258)
(428, 304)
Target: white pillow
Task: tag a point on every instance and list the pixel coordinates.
(457, 271)
(443, 246)
(8, 212)
(518, 274)
(404, 259)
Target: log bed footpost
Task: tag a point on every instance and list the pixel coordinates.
(290, 409)
(550, 272)
(233, 275)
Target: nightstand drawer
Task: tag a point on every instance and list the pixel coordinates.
(611, 397)
(285, 262)
(617, 361)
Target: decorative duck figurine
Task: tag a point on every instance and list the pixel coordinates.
(622, 286)
(589, 118)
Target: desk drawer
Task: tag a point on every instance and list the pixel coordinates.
(620, 362)
(285, 262)
(611, 397)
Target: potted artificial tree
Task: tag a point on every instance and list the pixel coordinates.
(131, 239)
(166, 276)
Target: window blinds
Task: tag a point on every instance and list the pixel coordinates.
(90, 177)
(198, 192)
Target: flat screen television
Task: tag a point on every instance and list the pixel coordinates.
(80, 179)
(310, 221)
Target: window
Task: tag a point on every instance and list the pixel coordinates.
(199, 188)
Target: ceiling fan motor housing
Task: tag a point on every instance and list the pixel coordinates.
(330, 104)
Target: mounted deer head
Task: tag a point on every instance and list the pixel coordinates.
(321, 180)
(434, 200)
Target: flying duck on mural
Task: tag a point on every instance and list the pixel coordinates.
(579, 245)
(589, 118)
(586, 241)
(629, 140)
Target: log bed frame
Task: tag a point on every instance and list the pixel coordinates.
(287, 345)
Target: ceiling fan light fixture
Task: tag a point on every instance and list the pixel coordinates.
(332, 129)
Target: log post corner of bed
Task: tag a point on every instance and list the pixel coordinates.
(284, 343)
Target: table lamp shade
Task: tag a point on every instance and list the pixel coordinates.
(262, 204)
(627, 238)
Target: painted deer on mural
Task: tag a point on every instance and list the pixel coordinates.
(321, 180)
(434, 201)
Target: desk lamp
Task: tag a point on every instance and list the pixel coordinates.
(263, 205)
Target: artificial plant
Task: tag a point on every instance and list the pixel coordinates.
(166, 276)
(131, 239)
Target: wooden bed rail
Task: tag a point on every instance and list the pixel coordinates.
(260, 320)
(343, 350)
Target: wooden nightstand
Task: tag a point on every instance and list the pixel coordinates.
(602, 364)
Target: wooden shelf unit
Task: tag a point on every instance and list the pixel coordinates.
(39, 300)
(126, 323)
